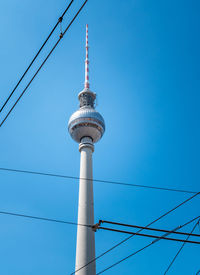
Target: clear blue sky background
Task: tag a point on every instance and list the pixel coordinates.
(145, 68)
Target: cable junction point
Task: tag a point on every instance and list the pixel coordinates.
(173, 260)
(143, 248)
(128, 238)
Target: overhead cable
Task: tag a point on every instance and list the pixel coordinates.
(97, 180)
(43, 63)
(42, 218)
(147, 228)
(148, 235)
(128, 238)
(50, 34)
(143, 248)
(182, 246)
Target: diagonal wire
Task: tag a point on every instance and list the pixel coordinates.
(148, 228)
(181, 247)
(43, 62)
(85, 225)
(149, 235)
(59, 20)
(97, 180)
(126, 239)
(141, 249)
(42, 218)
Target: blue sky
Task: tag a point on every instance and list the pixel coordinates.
(144, 66)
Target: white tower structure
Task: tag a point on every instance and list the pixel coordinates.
(86, 126)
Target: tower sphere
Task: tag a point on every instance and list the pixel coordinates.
(86, 122)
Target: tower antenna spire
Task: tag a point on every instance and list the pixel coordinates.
(87, 84)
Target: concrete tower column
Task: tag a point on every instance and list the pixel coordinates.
(85, 246)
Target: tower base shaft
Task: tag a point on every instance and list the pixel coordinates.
(85, 247)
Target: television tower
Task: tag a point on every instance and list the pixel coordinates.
(86, 126)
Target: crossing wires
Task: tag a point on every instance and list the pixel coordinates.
(146, 246)
(182, 246)
(128, 238)
(157, 238)
(146, 228)
(154, 236)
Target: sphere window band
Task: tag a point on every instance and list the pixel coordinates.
(77, 131)
(82, 119)
(86, 122)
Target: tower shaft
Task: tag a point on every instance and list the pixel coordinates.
(85, 246)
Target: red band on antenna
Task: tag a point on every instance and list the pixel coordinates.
(87, 84)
